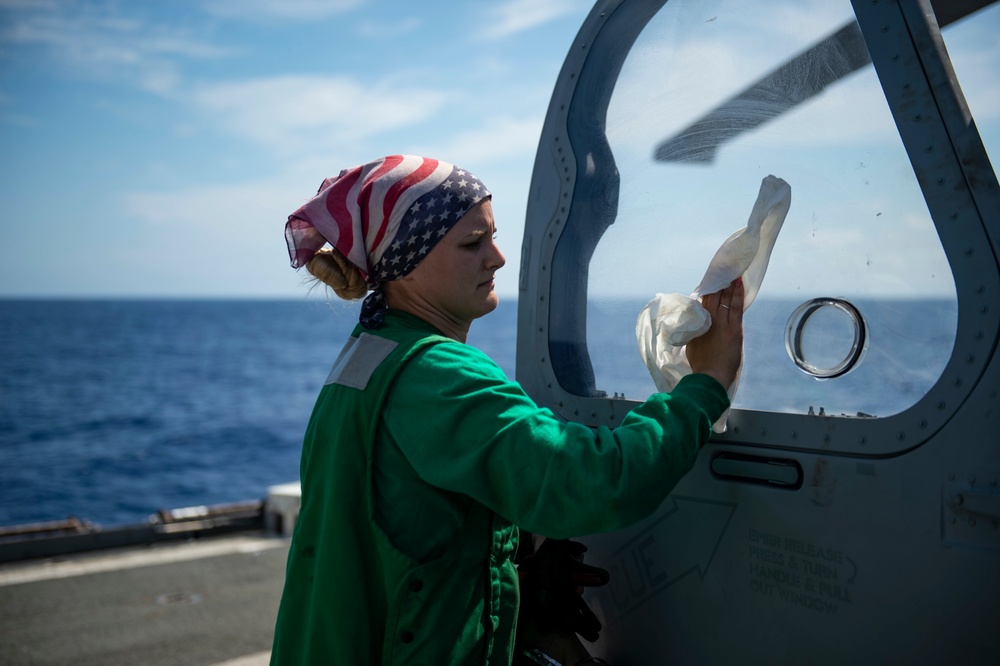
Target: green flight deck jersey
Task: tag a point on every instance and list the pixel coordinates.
(420, 458)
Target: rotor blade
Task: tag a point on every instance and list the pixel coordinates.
(802, 77)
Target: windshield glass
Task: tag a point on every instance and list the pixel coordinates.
(714, 97)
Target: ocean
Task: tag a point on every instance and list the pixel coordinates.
(111, 410)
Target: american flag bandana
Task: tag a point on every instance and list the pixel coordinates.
(384, 216)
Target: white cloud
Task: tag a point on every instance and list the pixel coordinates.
(497, 139)
(217, 212)
(516, 16)
(297, 10)
(99, 43)
(292, 113)
(214, 239)
(103, 37)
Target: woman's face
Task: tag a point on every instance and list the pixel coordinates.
(455, 279)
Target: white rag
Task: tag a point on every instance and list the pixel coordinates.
(670, 321)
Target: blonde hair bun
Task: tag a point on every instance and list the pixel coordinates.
(334, 270)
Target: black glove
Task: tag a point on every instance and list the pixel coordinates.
(552, 581)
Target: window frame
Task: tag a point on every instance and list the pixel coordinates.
(573, 200)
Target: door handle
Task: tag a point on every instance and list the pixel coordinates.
(783, 473)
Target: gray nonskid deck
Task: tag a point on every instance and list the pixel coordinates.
(204, 602)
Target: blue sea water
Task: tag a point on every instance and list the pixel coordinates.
(111, 410)
(909, 344)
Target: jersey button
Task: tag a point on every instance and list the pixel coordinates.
(416, 584)
(406, 637)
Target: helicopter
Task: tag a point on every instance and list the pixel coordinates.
(850, 508)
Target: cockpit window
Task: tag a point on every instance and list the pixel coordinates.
(712, 98)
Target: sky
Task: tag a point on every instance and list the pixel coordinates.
(156, 148)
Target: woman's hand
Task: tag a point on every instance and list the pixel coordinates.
(719, 352)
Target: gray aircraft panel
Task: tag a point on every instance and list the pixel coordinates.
(796, 538)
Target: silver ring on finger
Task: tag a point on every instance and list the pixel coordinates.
(726, 306)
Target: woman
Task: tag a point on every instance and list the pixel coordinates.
(421, 456)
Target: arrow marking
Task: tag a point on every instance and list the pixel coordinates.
(681, 538)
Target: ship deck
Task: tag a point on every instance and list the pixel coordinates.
(209, 601)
